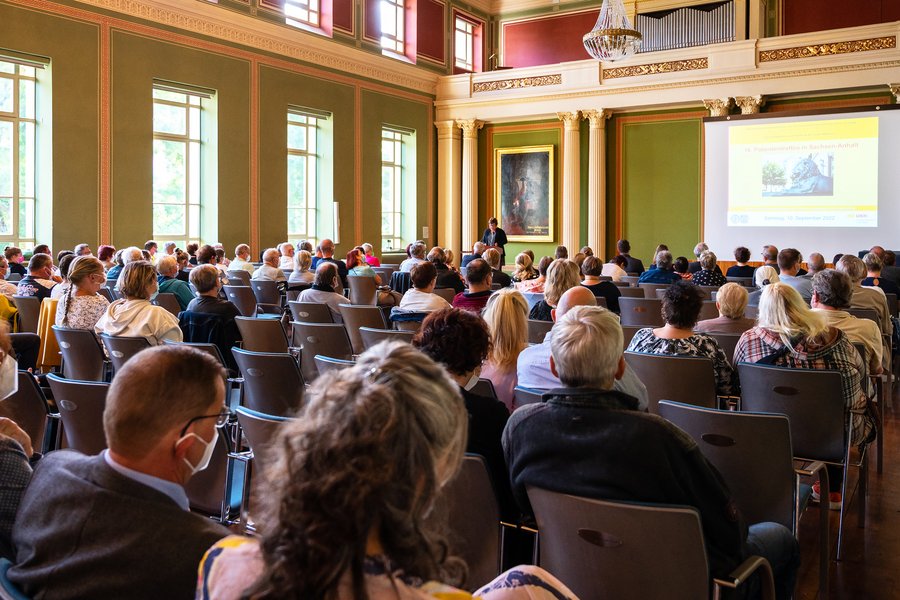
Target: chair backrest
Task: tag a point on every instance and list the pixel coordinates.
(202, 329)
(262, 335)
(727, 342)
(325, 364)
(121, 348)
(473, 517)
(260, 430)
(525, 395)
(29, 409)
(892, 303)
(211, 349)
(238, 276)
(311, 312)
(447, 294)
(29, 309)
(651, 290)
(865, 313)
(811, 399)
(266, 292)
(13, 277)
(751, 312)
(400, 282)
(687, 379)
(537, 330)
(708, 290)
(645, 312)
(169, 302)
(632, 292)
(273, 383)
(752, 451)
(82, 355)
(412, 326)
(356, 316)
(363, 290)
(632, 280)
(708, 310)
(484, 388)
(209, 492)
(327, 339)
(744, 281)
(385, 273)
(601, 301)
(628, 332)
(606, 549)
(371, 337)
(107, 293)
(621, 284)
(243, 298)
(81, 405)
(533, 298)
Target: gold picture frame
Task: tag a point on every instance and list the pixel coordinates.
(524, 201)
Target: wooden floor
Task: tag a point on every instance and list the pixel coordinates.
(870, 566)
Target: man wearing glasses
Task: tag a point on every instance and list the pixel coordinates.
(118, 524)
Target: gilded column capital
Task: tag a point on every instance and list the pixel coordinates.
(469, 127)
(570, 119)
(597, 118)
(718, 107)
(749, 105)
(446, 128)
(895, 90)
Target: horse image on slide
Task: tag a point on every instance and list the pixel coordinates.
(808, 180)
(810, 175)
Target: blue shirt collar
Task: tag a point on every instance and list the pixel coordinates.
(169, 488)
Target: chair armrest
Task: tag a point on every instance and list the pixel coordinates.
(244, 457)
(810, 469)
(743, 572)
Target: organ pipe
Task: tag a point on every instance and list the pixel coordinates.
(688, 26)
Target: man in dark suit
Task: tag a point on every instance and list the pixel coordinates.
(477, 250)
(634, 265)
(118, 524)
(494, 237)
(699, 249)
(328, 256)
(888, 269)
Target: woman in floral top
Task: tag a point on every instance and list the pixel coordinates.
(707, 275)
(681, 306)
(81, 306)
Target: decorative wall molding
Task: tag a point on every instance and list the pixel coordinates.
(596, 118)
(672, 66)
(749, 105)
(210, 20)
(511, 84)
(895, 90)
(832, 48)
(718, 107)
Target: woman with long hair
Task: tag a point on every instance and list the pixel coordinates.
(562, 275)
(347, 513)
(524, 268)
(506, 315)
(80, 307)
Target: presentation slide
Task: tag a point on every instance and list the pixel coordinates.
(819, 183)
(806, 174)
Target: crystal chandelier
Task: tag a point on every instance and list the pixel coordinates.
(613, 37)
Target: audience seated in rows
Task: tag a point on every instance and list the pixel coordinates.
(591, 268)
(873, 275)
(479, 278)
(506, 315)
(348, 509)
(790, 334)
(866, 297)
(770, 256)
(358, 267)
(816, 263)
(17, 459)
(134, 316)
(632, 265)
(789, 273)
(763, 276)
(152, 248)
(81, 306)
(562, 275)
(286, 256)
(478, 249)
(589, 440)
(533, 365)
(322, 290)
(369, 251)
(889, 270)
(167, 267)
(7, 288)
(40, 279)
(492, 256)
(206, 279)
(731, 301)
(697, 266)
(615, 268)
(536, 285)
(64, 263)
(420, 298)
(327, 247)
(105, 254)
(460, 341)
(269, 270)
(741, 268)
(524, 269)
(301, 275)
(184, 271)
(207, 255)
(681, 306)
(447, 277)
(241, 260)
(15, 257)
(124, 514)
(663, 272)
(416, 256)
(680, 266)
(130, 254)
(709, 273)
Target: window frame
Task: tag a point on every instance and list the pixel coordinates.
(312, 194)
(19, 120)
(398, 167)
(476, 40)
(394, 43)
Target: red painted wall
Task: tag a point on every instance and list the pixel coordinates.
(803, 16)
(343, 14)
(547, 40)
(431, 21)
(372, 27)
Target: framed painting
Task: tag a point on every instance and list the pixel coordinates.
(523, 192)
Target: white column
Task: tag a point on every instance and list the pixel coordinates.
(449, 200)
(571, 184)
(470, 129)
(597, 180)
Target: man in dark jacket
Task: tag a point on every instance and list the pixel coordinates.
(590, 440)
(118, 524)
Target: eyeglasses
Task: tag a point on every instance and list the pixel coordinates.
(221, 418)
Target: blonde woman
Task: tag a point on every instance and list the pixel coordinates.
(81, 306)
(524, 268)
(790, 334)
(561, 275)
(506, 315)
(301, 274)
(731, 301)
(134, 316)
(536, 286)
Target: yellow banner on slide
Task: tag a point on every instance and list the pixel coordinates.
(806, 131)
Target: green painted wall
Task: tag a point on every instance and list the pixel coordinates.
(72, 189)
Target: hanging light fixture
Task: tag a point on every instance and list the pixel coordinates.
(613, 37)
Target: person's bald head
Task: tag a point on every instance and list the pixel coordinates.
(576, 296)
(878, 250)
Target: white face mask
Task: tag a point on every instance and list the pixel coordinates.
(472, 380)
(9, 377)
(210, 446)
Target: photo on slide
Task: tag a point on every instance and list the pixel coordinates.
(798, 174)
